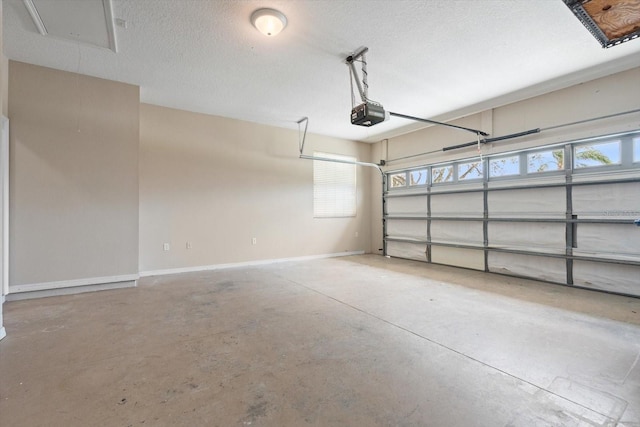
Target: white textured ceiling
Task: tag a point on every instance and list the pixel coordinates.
(432, 58)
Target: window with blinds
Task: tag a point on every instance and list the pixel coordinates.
(334, 186)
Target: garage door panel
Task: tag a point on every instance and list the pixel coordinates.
(528, 202)
(608, 277)
(613, 201)
(546, 237)
(609, 239)
(407, 205)
(416, 251)
(467, 258)
(463, 204)
(463, 232)
(416, 229)
(542, 268)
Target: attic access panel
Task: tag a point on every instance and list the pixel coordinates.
(610, 21)
(80, 21)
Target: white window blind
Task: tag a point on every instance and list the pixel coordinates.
(334, 187)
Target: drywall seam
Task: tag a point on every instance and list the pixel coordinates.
(244, 264)
(72, 283)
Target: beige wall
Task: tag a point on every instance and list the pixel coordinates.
(601, 97)
(74, 176)
(217, 183)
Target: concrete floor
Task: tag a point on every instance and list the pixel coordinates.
(354, 341)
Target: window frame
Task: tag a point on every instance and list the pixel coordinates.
(481, 163)
(508, 176)
(560, 171)
(397, 187)
(593, 168)
(427, 170)
(443, 166)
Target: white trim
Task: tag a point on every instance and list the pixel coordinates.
(35, 16)
(72, 283)
(18, 296)
(3, 331)
(243, 264)
(4, 216)
(134, 277)
(4, 205)
(111, 31)
(107, 7)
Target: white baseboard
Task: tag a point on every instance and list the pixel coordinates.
(45, 286)
(37, 290)
(243, 264)
(17, 296)
(3, 331)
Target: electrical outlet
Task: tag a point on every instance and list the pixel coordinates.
(166, 246)
(356, 234)
(254, 241)
(189, 245)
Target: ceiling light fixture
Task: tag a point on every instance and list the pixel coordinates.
(269, 21)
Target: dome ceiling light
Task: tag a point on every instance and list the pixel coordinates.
(269, 21)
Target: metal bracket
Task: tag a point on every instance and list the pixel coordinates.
(304, 135)
(360, 52)
(324, 159)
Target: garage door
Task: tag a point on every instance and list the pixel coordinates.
(564, 214)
